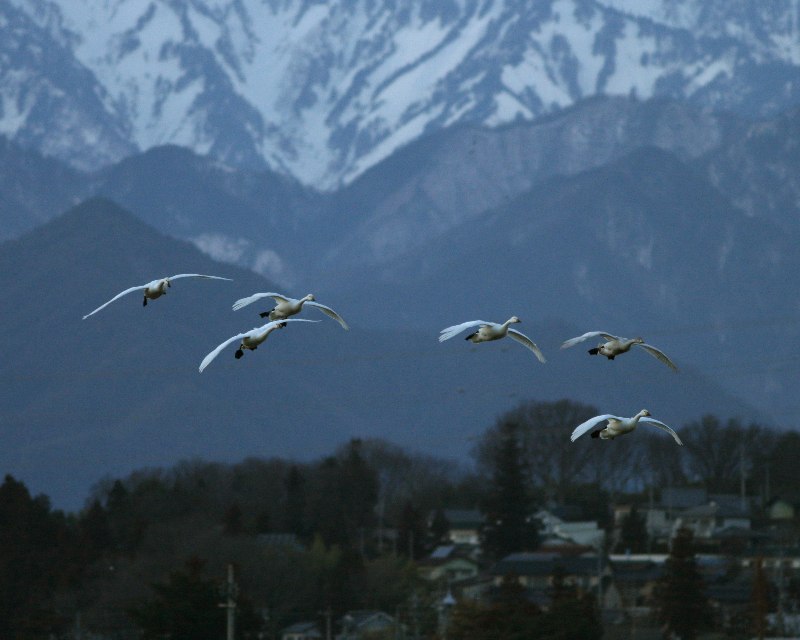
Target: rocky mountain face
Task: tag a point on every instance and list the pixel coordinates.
(52, 103)
(323, 91)
(440, 182)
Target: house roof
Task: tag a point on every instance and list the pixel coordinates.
(731, 504)
(730, 592)
(567, 512)
(280, 540)
(636, 571)
(442, 552)
(464, 518)
(700, 511)
(742, 533)
(306, 628)
(544, 564)
(682, 497)
(360, 617)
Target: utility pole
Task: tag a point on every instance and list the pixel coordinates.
(742, 486)
(327, 613)
(229, 590)
(600, 541)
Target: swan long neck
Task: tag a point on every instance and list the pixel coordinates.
(507, 324)
(639, 415)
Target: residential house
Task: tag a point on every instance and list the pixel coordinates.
(285, 541)
(535, 571)
(581, 532)
(694, 508)
(302, 631)
(464, 526)
(636, 576)
(369, 625)
(447, 564)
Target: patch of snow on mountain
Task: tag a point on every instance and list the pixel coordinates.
(323, 91)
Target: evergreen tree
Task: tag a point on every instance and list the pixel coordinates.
(572, 615)
(359, 489)
(186, 607)
(295, 509)
(509, 504)
(633, 532)
(36, 554)
(682, 605)
(233, 520)
(263, 522)
(410, 532)
(344, 498)
(760, 600)
(94, 530)
(439, 527)
(126, 529)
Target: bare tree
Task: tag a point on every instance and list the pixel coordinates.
(554, 463)
(719, 454)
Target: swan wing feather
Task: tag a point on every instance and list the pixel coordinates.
(197, 275)
(116, 297)
(590, 424)
(243, 302)
(449, 332)
(207, 360)
(591, 334)
(527, 342)
(329, 312)
(663, 427)
(657, 353)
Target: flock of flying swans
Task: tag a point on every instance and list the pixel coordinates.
(286, 307)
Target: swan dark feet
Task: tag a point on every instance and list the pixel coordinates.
(239, 353)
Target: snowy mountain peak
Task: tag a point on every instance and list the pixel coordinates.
(324, 90)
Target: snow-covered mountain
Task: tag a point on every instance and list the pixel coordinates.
(324, 90)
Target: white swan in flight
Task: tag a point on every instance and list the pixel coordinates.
(615, 345)
(285, 307)
(249, 339)
(154, 289)
(620, 426)
(492, 331)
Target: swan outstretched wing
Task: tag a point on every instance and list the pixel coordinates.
(591, 334)
(663, 427)
(197, 275)
(243, 302)
(116, 297)
(207, 360)
(449, 332)
(328, 312)
(590, 424)
(657, 353)
(527, 342)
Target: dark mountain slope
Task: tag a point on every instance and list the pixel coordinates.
(33, 189)
(120, 390)
(641, 246)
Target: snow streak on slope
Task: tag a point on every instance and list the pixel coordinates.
(324, 90)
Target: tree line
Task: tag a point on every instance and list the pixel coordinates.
(357, 520)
